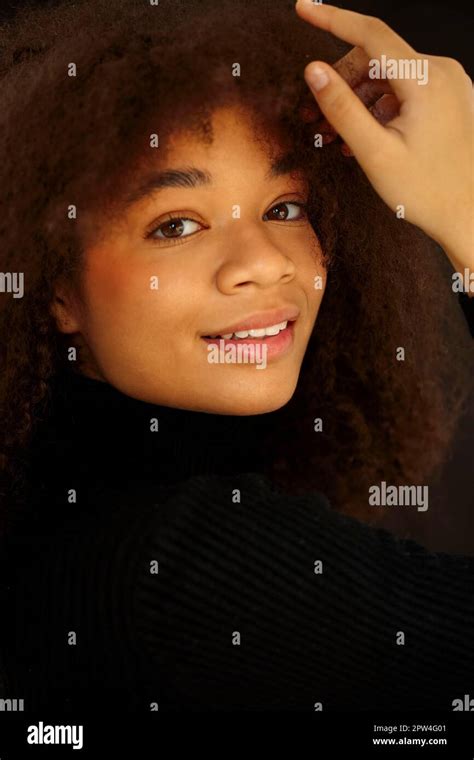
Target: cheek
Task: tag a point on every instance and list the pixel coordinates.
(311, 270)
(137, 300)
(114, 295)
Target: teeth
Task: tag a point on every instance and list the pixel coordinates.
(258, 333)
(275, 329)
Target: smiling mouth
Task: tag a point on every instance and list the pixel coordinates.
(277, 341)
(257, 334)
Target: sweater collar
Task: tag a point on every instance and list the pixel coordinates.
(95, 429)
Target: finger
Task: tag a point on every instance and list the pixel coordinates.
(371, 34)
(368, 92)
(353, 67)
(385, 109)
(345, 112)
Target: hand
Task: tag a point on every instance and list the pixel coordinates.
(375, 93)
(416, 146)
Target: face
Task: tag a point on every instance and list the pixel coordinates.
(231, 251)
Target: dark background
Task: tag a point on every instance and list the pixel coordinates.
(435, 28)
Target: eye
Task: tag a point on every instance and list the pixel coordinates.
(174, 228)
(280, 213)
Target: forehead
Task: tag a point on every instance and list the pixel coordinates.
(237, 144)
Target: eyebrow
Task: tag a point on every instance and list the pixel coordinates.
(191, 177)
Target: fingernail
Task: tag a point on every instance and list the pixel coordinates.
(317, 77)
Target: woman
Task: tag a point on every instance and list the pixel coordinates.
(173, 527)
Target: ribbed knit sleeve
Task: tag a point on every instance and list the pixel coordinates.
(224, 593)
(242, 616)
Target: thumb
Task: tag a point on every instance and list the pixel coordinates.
(345, 111)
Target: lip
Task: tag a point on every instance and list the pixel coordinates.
(258, 320)
(273, 345)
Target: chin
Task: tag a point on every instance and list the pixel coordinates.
(244, 403)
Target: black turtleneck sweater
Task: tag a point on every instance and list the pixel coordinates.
(158, 566)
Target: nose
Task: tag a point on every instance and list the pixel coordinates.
(253, 259)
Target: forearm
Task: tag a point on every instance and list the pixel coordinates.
(458, 245)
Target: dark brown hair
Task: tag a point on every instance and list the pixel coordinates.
(144, 68)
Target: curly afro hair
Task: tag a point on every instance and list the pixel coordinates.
(79, 139)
